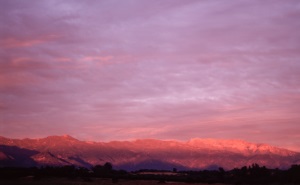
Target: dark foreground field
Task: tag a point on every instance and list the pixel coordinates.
(106, 175)
(98, 181)
(103, 181)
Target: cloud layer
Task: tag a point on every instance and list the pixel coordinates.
(114, 70)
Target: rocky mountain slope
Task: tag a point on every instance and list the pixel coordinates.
(143, 154)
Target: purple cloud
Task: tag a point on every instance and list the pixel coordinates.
(110, 70)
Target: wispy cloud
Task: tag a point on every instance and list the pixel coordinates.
(166, 69)
(15, 43)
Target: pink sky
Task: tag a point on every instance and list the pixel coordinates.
(166, 69)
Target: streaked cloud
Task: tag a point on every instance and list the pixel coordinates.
(165, 69)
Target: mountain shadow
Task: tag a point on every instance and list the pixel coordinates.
(151, 164)
(17, 157)
(81, 162)
(212, 167)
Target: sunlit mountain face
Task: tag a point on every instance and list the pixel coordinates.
(143, 154)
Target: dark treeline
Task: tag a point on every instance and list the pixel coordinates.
(253, 174)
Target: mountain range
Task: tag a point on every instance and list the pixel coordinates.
(143, 154)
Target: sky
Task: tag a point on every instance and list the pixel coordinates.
(107, 70)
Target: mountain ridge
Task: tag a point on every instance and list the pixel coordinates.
(196, 153)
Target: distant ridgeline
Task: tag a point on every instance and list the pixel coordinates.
(196, 154)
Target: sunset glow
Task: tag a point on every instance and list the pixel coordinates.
(167, 69)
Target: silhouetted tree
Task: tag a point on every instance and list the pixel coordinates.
(108, 167)
(175, 170)
(104, 170)
(294, 174)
